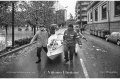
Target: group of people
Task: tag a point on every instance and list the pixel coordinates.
(70, 38)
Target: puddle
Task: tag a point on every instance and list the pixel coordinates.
(98, 49)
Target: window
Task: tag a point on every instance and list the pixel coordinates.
(117, 8)
(91, 16)
(78, 17)
(78, 12)
(79, 7)
(104, 11)
(96, 14)
(88, 17)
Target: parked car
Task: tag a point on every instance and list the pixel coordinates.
(114, 37)
(104, 33)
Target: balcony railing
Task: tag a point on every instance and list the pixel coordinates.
(84, 19)
(85, 3)
(78, 20)
(84, 8)
(78, 14)
(84, 14)
(78, 5)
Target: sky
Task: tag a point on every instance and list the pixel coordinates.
(70, 6)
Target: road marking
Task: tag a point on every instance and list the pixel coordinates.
(84, 68)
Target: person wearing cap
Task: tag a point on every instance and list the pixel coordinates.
(69, 41)
(41, 38)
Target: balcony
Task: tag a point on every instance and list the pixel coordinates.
(78, 10)
(78, 17)
(78, 14)
(85, 3)
(78, 20)
(84, 14)
(84, 19)
(78, 5)
(84, 9)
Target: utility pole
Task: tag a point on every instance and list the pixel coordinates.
(108, 17)
(13, 24)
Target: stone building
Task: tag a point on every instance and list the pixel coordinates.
(104, 15)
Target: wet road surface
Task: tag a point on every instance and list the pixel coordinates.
(22, 65)
(101, 58)
(96, 59)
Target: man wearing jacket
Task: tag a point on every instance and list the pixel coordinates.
(42, 40)
(69, 40)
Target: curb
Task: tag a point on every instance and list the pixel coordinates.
(15, 50)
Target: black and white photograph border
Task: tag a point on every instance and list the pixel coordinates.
(59, 39)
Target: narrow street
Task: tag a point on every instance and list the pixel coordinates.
(22, 65)
(96, 59)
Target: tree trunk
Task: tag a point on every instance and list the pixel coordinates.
(12, 24)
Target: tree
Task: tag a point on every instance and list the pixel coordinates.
(71, 16)
(34, 12)
(38, 12)
(4, 16)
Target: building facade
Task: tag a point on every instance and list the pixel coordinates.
(104, 15)
(81, 12)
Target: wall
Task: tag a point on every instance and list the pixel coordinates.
(104, 24)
